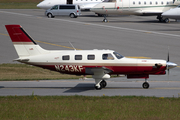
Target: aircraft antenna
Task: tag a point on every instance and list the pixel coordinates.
(72, 45)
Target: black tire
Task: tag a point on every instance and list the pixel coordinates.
(103, 83)
(166, 20)
(72, 15)
(145, 85)
(105, 20)
(97, 88)
(49, 15)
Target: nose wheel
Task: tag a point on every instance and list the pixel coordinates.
(145, 85)
(105, 19)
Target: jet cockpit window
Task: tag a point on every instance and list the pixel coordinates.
(109, 1)
(107, 56)
(55, 7)
(119, 56)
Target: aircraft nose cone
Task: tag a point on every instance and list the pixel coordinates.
(170, 65)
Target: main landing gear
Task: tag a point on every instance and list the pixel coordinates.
(161, 19)
(145, 85)
(100, 85)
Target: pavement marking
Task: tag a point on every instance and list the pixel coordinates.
(121, 28)
(100, 25)
(85, 88)
(56, 45)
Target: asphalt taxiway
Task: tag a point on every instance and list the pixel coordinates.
(133, 36)
(86, 88)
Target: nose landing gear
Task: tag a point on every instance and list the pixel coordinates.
(145, 85)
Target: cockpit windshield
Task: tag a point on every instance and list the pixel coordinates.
(118, 56)
(109, 1)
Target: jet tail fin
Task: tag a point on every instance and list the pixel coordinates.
(23, 43)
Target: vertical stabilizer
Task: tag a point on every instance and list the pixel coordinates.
(23, 43)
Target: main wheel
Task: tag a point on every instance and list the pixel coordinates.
(166, 20)
(145, 85)
(98, 88)
(103, 83)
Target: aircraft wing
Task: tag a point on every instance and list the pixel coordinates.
(98, 70)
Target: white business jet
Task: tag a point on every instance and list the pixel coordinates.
(98, 63)
(135, 7)
(84, 4)
(172, 13)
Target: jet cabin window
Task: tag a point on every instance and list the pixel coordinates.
(118, 56)
(65, 57)
(107, 56)
(109, 1)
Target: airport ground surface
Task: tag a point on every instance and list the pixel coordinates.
(134, 36)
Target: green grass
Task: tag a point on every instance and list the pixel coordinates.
(89, 108)
(19, 4)
(11, 72)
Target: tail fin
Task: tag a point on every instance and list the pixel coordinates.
(23, 43)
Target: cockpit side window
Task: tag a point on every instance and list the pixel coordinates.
(107, 56)
(118, 56)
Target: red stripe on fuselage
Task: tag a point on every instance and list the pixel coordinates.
(80, 70)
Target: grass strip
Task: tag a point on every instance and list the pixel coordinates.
(19, 4)
(18, 72)
(89, 108)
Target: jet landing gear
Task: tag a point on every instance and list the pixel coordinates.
(100, 85)
(105, 19)
(145, 85)
(161, 19)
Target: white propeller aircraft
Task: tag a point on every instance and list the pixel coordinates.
(84, 4)
(98, 63)
(172, 13)
(135, 7)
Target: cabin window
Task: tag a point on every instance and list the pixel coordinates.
(156, 3)
(91, 57)
(78, 57)
(107, 56)
(139, 2)
(167, 3)
(150, 3)
(134, 3)
(65, 57)
(162, 3)
(145, 2)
